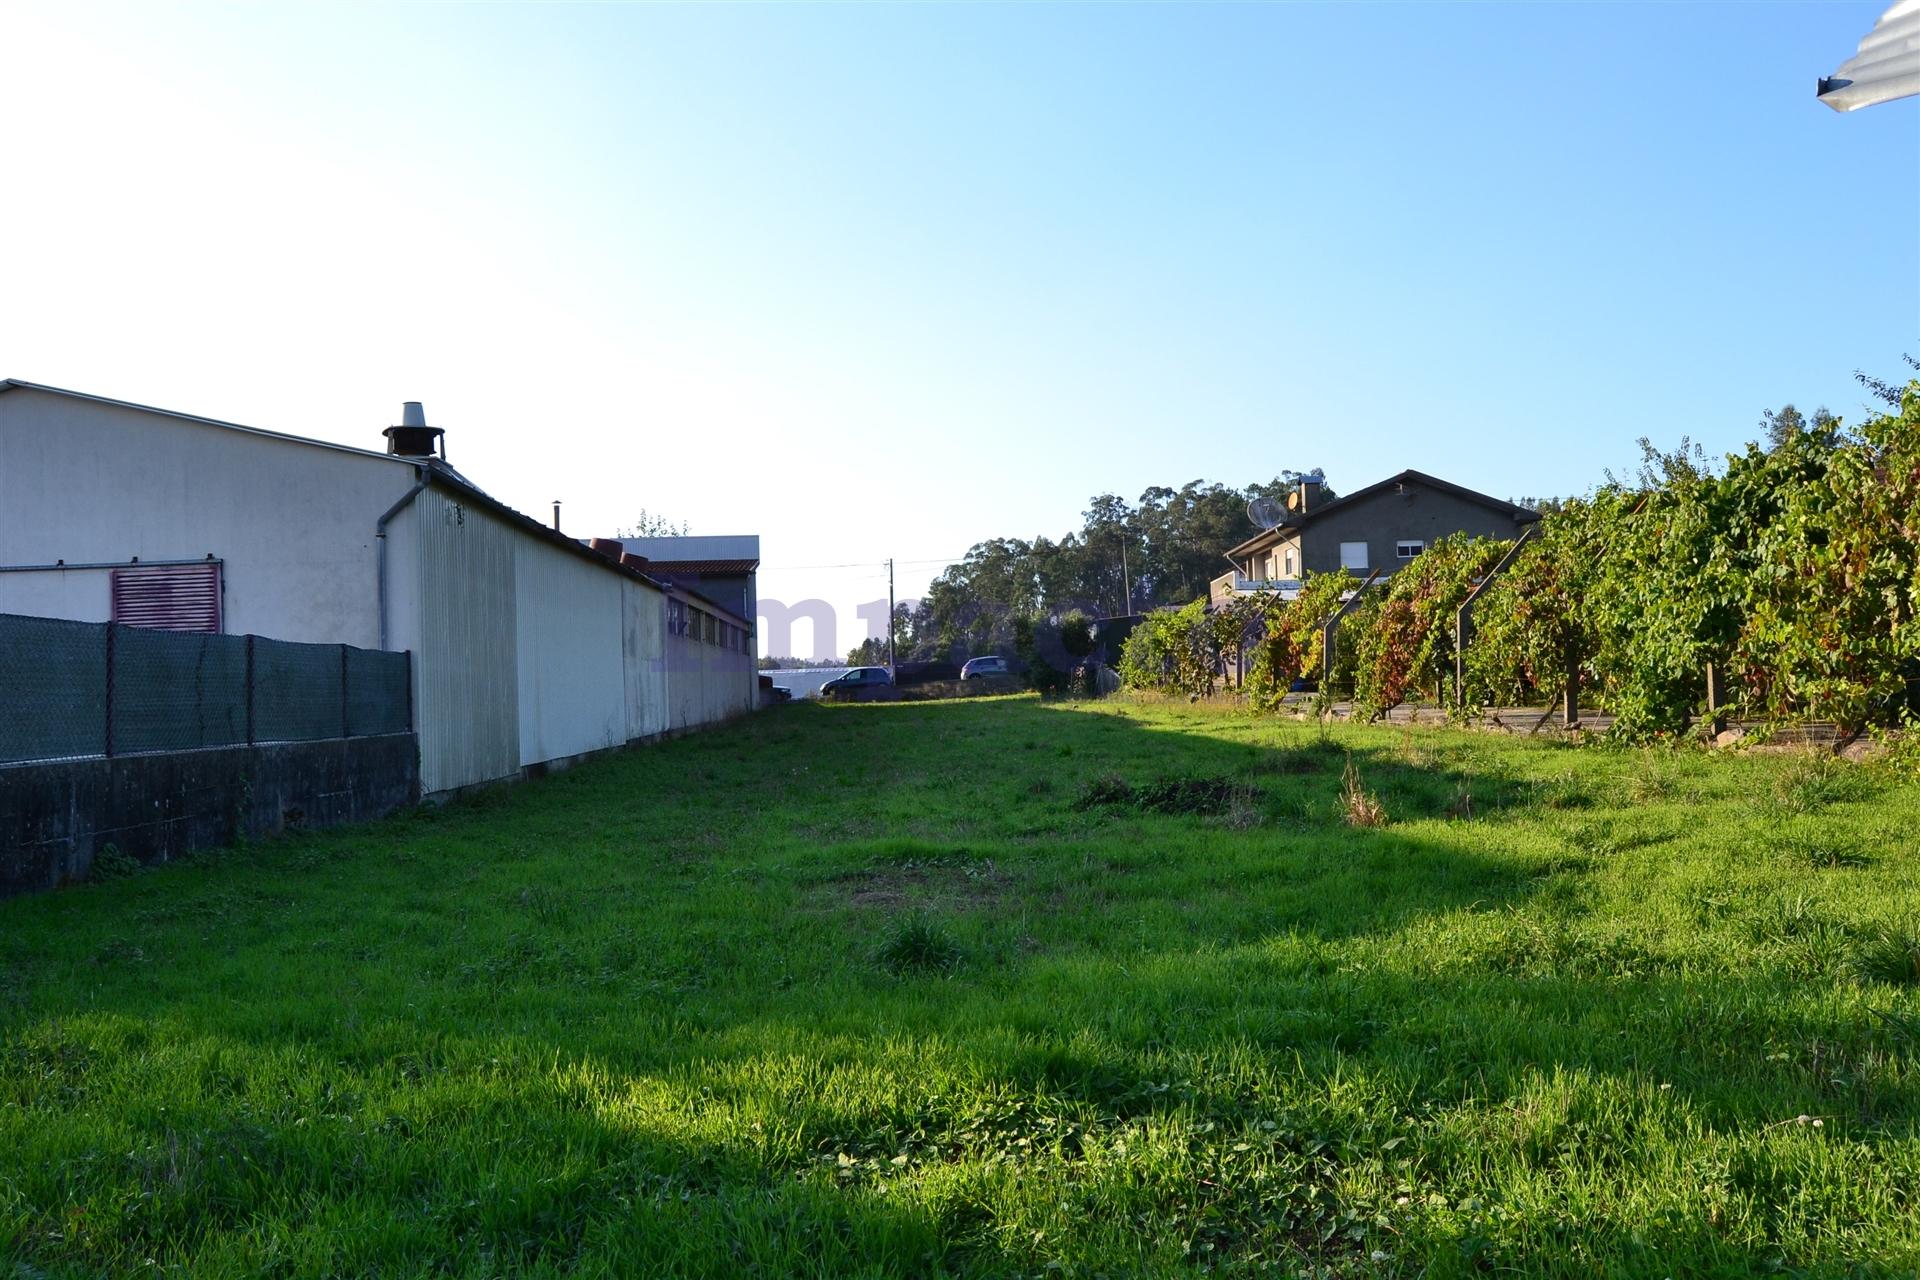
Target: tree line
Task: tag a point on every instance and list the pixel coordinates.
(1126, 558)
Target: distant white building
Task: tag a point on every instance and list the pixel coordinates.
(529, 647)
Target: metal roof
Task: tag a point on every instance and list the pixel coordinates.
(1521, 515)
(715, 568)
(1886, 67)
(11, 384)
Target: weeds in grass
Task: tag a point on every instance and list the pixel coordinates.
(1825, 855)
(1652, 780)
(111, 863)
(1462, 806)
(1810, 783)
(1243, 812)
(1209, 795)
(544, 905)
(919, 943)
(1362, 807)
(1891, 956)
(1562, 792)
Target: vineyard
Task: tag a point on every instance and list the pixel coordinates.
(1787, 579)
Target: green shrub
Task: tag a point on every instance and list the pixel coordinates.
(111, 863)
(919, 943)
(1173, 651)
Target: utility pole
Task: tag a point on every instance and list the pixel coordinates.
(1125, 579)
(891, 673)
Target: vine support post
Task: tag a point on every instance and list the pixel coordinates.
(1716, 701)
(1327, 628)
(1570, 696)
(1463, 616)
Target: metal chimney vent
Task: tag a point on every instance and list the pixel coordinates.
(413, 438)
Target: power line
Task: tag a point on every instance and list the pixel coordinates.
(877, 566)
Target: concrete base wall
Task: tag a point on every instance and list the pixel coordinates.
(54, 818)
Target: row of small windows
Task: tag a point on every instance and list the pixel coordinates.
(693, 623)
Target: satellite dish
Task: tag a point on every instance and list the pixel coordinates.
(1265, 512)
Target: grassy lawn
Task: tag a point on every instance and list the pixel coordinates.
(954, 989)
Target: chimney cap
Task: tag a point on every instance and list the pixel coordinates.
(413, 438)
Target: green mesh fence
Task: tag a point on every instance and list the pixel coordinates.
(53, 688)
(175, 691)
(76, 689)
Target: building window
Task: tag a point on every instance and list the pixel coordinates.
(168, 597)
(1408, 550)
(1289, 564)
(1353, 555)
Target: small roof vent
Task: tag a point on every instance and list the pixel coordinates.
(413, 438)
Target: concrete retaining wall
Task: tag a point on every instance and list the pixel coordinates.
(55, 817)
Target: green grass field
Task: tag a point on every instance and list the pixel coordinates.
(962, 989)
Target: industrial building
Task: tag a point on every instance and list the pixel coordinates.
(528, 647)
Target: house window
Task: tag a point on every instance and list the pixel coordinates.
(1353, 555)
(168, 597)
(1289, 564)
(1408, 550)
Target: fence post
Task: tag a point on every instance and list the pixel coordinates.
(1570, 699)
(249, 690)
(1460, 658)
(346, 728)
(1716, 721)
(108, 743)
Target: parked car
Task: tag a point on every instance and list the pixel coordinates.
(981, 668)
(857, 679)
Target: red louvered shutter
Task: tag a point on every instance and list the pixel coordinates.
(169, 597)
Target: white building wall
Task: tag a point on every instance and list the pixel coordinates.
(707, 683)
(643, 653)
(465, 640)
(83, 481)
(572, 656)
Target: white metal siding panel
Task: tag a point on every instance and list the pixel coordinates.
(572, 669)
(468, 709)
(707, 682)
(643, 638)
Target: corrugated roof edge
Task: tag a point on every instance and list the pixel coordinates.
(443, 474)
(1521, 515)
(9, 384)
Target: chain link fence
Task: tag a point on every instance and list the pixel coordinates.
(78, 689)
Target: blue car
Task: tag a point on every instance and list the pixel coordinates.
(857, 679)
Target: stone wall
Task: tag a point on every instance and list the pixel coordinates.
(56, 817)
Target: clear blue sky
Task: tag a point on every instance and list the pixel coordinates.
(891, 280)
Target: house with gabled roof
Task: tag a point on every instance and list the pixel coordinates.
(1379, 528)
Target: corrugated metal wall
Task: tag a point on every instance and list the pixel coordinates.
(707, 682)
(528, 653)
(643, 639)
(572, 658)
(467, 712)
